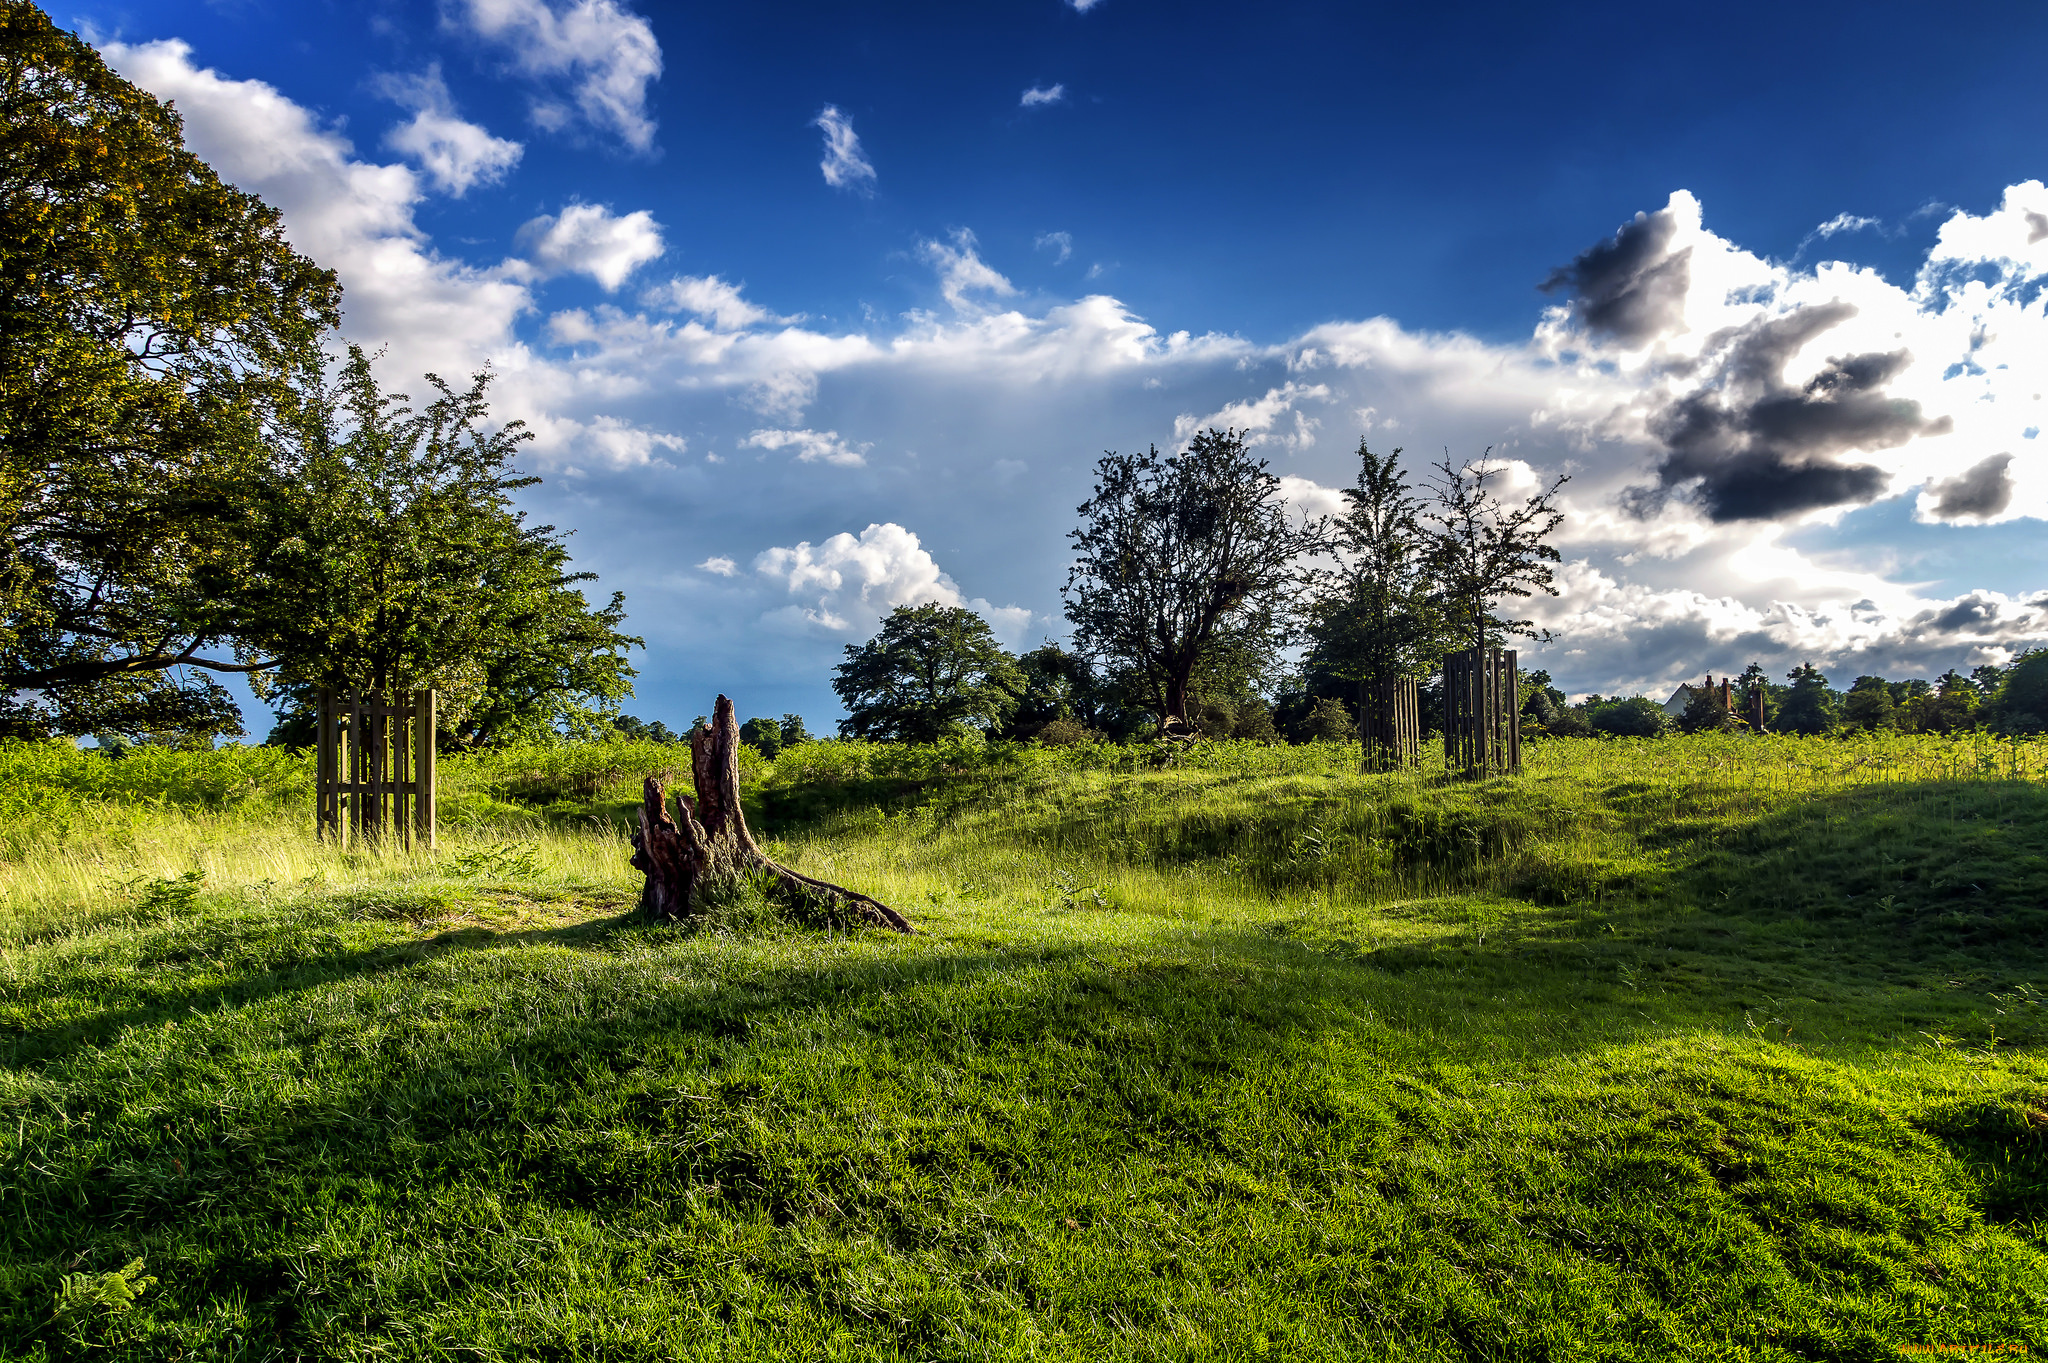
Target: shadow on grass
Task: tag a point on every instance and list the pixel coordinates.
(894, 1092)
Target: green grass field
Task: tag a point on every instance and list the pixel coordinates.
(1687, 1048)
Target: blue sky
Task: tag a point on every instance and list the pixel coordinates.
(778, 392)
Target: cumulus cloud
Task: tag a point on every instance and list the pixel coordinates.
(605, 56)
(1311, 498)
(845, 165)
(588, 239)
(1042, 94)
(1981, 491)
(846, 584)
(1646, 639)
(720, 565)
(962, 271)
(1717, 386)
(455, 154)
(621, 445)
(1631, 288)
(1259, 419)
(1084, 5)
(1752, 446)
(812, 447)
(353, 216)
(713, 299)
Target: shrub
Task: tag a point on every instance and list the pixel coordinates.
(1329, 722)
(1636, 717)
(1064, 733)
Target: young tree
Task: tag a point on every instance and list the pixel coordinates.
(1809, 707)
(1180, 558)
(1375, 617)
(1481, 549)
(1869, 705)
(931, 671)
(155, 329)
(389, 557)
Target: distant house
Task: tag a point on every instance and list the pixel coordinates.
(1682, 697)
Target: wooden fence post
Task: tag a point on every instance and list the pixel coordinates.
(1389, 723)
(1482, 720)
(373, 767)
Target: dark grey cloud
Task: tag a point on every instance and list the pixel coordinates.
(1971, 615)
(1983, 489)
(1632, 287)
(1749, 446)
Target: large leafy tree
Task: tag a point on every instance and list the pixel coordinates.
(929, 672)
(156, 332)
(1180, 561)
(390, 557)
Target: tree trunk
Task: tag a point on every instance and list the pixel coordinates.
(711, 844)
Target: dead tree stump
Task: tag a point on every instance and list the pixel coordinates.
(710, 845)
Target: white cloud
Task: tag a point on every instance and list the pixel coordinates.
(846, 585)
(721, 565)
(351, 216)
(456, 155)
(1657, 587)
(588, 239)
(812, 447)
(962, 271)
(1084, 5)
(845, 165)
(620, 444)
(1311, 498)
(606, 54)
(1062, 242)
(1844, 222)
(1042, 94)
(710, 297)
(1256, 418)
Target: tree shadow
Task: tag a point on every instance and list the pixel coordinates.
(855, 1085)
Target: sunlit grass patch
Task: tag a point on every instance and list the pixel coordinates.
(1690, 1048)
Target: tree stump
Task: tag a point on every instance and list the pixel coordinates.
(710, 845)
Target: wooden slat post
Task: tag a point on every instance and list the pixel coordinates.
(423, 769)
(1389, 723)
(1482, 722)
(373, 767)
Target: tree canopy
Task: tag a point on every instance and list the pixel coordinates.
(1482, 549)
(929, 672)
(156, 331)
(1807, 706)
(1374, 614)
(390, 557)
(1180, 560)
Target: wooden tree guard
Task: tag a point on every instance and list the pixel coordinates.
(374, 767)
(1389, 723)
(1482, 719)
(683, 858)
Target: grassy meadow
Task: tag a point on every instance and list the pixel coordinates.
(1716, 1047)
